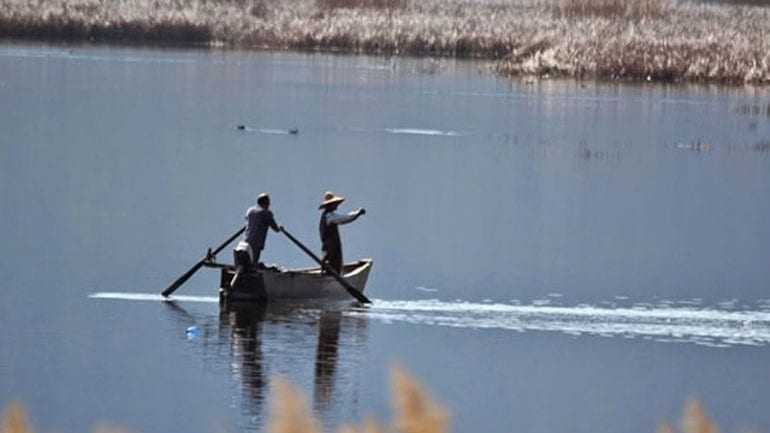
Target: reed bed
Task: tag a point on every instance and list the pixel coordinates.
(700, 43)
(651, 40)
(634, 9)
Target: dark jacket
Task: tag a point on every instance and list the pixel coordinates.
(330, 236)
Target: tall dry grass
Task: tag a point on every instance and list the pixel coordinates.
(415, 412)
(360, 4)
(694, 420)
(14, 420)
(290, 412)
(690, 42)
(634, 9)
(651, 40)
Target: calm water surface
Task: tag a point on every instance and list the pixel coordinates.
(549, 256)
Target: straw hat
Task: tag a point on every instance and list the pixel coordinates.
(330, 198)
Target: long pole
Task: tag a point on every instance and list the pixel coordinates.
(352, 290)
(186, 276)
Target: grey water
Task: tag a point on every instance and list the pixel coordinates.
(549, 255)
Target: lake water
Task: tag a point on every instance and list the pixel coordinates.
(548, 255)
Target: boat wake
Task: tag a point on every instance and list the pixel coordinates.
(151, 297)
(709, 327)
(714, 327)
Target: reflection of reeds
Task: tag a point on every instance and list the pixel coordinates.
(652, 40)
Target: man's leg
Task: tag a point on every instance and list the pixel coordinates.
(334, 259)
(324, 260)
(257, 253)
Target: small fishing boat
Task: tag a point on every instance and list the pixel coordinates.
(274, 284)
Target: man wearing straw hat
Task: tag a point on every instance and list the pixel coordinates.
(330, 235)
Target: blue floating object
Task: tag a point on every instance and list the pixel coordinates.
(192, 332)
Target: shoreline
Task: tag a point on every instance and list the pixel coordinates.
(638, 41)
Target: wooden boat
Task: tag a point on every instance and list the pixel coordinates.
(273, 284)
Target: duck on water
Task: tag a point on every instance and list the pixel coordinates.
(248, 280)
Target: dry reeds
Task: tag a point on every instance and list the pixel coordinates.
(650, 40)
(290, 412)
(95, 20)
(369, 426)
(415, 412)
(634, 9)
(361, 4)
(14, 420)
(694, 420)
(699, 43)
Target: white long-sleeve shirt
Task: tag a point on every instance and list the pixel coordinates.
(335, 218)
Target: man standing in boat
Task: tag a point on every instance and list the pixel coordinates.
(258, 219)
(328, 227)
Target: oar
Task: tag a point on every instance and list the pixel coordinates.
(186, 276)
(352, 290)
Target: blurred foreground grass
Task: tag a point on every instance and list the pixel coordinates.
(414, 412)
(650, 40)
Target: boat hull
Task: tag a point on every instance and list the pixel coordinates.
(270, 285)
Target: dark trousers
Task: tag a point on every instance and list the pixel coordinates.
(333, 258)
(256, 257)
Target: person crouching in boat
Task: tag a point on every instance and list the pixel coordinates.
(328, 227)
(258, 219)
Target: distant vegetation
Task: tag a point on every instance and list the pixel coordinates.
(649, 40)
(414, 412)
(626, 9)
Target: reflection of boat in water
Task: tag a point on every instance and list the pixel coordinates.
(255, 342)
(244, 326)
(274, 284)
(326, 354)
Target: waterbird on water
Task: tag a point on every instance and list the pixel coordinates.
(292, 131)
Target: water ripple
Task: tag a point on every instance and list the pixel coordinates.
(419, 131)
